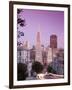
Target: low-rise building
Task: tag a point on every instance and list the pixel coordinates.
(23, 55)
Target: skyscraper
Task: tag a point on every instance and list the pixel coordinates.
(49, 55)
(38, 49)
(26, 44)
(53, 41)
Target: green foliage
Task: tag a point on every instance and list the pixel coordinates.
(21, 71)
(20, 20)
(20, 23)
(50, 69)
(37, 67)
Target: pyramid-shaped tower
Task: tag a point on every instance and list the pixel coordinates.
(38, 48)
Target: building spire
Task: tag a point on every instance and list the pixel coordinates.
(39, 27)
(38, 46)
(38, 36)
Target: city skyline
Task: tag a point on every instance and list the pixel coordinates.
(46, 22)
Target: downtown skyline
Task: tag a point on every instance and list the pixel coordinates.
(46, 22)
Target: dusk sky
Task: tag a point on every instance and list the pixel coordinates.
(47, 22)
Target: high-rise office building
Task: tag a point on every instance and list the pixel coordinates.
(38, 49)
(32, 53)
(53, 41)
(49, 55)
(26, 45)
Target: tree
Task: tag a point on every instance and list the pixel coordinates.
(50, 69)
(20, 23)
(21, 71)
(37, 67)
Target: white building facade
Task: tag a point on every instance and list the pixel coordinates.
(23, 55)
(49, 55)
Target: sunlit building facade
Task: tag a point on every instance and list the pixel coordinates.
(23, 54)
(38, 56)
(49, 55)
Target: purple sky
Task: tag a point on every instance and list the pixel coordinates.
(45, 21)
